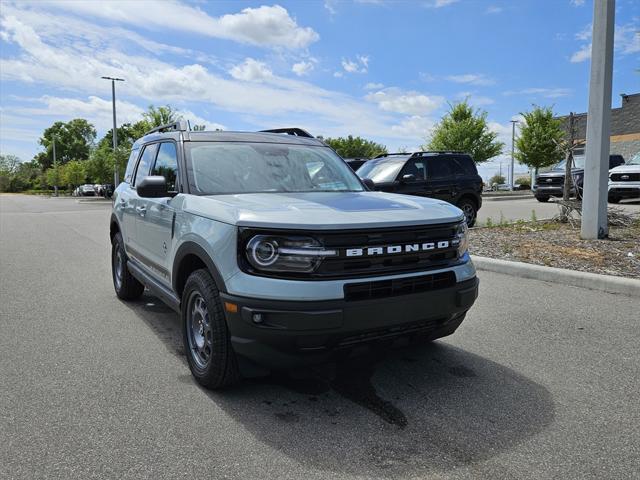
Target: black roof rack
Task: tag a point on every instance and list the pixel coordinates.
(419, 154)
(177, 126)
(295, 131)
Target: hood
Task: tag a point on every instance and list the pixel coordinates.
(322, 210)
(626, 168)
(560, 173)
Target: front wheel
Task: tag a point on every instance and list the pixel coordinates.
(206, 338)
(614, 199)
(470, 211)
(542, 199)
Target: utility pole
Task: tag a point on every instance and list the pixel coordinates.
(55, 167)
(594, 204)
(513, 140)
(115, 131)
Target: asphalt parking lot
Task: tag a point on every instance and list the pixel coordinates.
(540, 382)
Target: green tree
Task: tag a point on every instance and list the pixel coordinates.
(541, 139)
(355, 147)
(54, 176)
(74, 173)
(497, 179)
(9, 165)
(74, 140)
(463, 129)
(156, 116)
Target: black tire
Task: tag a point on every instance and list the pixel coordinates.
(614, 199)
(470, 211)
(206, 338)
(542, 199)
(125, 285)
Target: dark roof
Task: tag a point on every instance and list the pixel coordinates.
(624, 120)
(225, 136)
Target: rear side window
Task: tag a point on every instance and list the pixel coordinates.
(464, 166)
(131, 165)
(167, 164)
(146, 160)
(439, 168)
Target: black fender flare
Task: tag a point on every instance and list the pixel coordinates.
(192, 248)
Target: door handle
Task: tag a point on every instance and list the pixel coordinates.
(141, 210)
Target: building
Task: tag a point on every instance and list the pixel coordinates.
(625, 127)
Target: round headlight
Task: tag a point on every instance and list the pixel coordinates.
(263, 251)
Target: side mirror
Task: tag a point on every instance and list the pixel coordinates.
(369, 183)
(153, 187)
(409, 177)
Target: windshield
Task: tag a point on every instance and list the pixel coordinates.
(635, 160)
(578, 162)
(223, 168)
(382, 169)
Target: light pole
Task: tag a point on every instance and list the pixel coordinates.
(513, 141)
(594, 203)
(55, 167)
(115, 131)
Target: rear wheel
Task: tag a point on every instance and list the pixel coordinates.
(125, 285)
(470, 211)
(542, 199)
(206, 338)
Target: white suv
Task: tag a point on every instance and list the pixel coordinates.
(624, 181)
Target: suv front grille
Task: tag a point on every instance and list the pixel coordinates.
(385, 262)
(625, 177)
(542, 181)
(398, 286)
(373, 252)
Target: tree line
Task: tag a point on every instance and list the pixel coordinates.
(80, 159)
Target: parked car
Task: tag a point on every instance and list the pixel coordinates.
(450, 176)
(275, 254)
(107, 190)
(355, 163)
(551, 184)
(87, 190)
(624, 180)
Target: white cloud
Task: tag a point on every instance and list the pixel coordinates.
(302, 68)
(493, 9)
(251, 71)
(66, 61)
(373, 86)
(581, 55)
(330, 6)
(476, 100)
(577, 3)
(471, 79)
(541, 92)
(414, 126)
(626, 41)
(440, 3)
(407, 102)
(338, 74)
(270, 26)
(359, 65)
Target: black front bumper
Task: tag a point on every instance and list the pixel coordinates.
(289, 333)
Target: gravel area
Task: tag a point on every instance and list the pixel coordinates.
(559, 245)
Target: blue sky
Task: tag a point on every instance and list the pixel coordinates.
(381, 69)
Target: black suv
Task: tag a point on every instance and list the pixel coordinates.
(551, 183)
(450, 176)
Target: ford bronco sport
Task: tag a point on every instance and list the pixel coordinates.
(275, 253)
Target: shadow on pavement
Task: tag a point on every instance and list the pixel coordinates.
(413, 410)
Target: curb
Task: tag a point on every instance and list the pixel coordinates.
(592, 281)
(503, 198)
